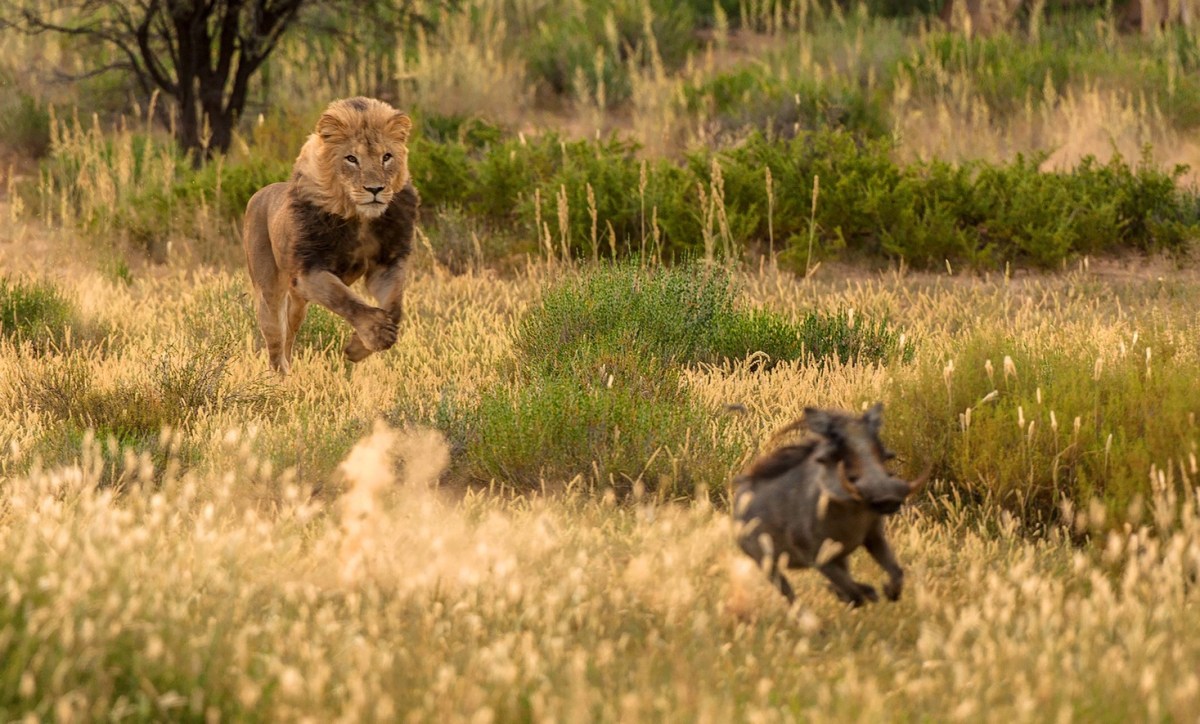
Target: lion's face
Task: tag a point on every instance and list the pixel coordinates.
(371, 172)
(358, 157)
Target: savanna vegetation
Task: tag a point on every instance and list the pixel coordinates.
(652, 233)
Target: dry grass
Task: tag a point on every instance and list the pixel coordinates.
(279, 553)
(214, 583)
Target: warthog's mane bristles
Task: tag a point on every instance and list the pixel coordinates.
(779, 461)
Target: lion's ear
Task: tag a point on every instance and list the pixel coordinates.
(399, 127)
(331, 127)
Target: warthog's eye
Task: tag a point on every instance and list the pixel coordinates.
(387, 157)
(352, 159)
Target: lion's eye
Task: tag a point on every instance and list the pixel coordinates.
(352, 159)
(387, 157)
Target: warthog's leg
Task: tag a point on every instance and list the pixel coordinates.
(877, 545)
(761, 548)
(386, 284)
(846, 588)
(373, 326)
(781, 582)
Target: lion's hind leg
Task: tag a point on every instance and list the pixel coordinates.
(297, 309)
(269, 308)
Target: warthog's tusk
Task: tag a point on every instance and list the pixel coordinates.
(920, 480)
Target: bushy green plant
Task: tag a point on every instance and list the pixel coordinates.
(819, 336)
(24, 125)
(225, 187)
(753, 97)
(625, 420)
(1011, 72)
(1030, 425)
(33, 311)
(684, 315)
(982, 214)
(322, 330)
(579, 49)
(597, 389)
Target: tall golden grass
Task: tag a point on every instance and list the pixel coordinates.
(298, 559)
(301, 561)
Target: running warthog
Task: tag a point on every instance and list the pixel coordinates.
(811, 504)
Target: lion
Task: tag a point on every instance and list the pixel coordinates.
(348, 212)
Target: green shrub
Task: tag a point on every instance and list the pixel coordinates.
(682, 315)
(577, 49)
(981, 214)
(224, 187)
(34, 311)
(599, 198)
(755, 98)
(637, 425)
(1057, 425)
(597, 390)
(24, 125)
(668, 314)
(1010, 71)
(819, 336)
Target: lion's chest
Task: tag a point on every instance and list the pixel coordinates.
(349, 248)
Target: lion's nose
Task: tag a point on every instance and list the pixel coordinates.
(374, 190)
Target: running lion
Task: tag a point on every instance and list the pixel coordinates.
(347, 213)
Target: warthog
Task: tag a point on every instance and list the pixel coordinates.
(810, 505)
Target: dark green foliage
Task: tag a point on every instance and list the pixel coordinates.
(754, 98)
(619, 204)
(1010, 71)
(635, 427)
(24, 124)
(1022, 447)
(682, 315)
(33, 311)
(869, 206)
(575, 54)
(597, 389)
(818, 337)
(669, 314)
(981, 214)
(224, 187)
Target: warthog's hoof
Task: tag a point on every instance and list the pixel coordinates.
(862, 593)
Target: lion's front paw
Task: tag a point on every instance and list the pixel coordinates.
(377, 330)
(355, 350)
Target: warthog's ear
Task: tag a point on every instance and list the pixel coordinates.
(330, 127)
(399, 126)
(873, 418)
(819, 421)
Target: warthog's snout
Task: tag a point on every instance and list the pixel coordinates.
(885, 506)
(888, 496)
